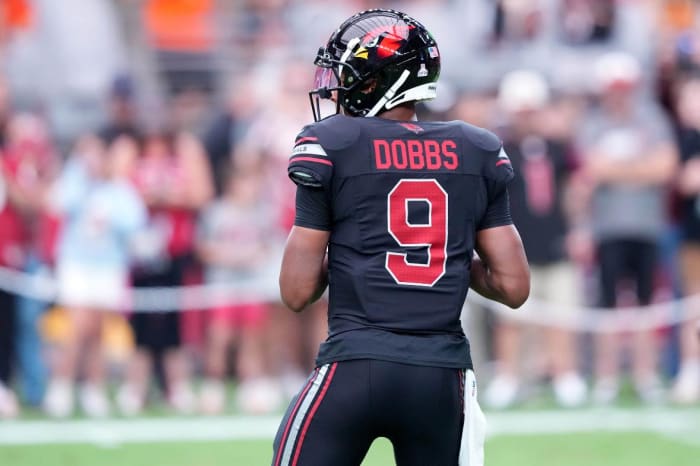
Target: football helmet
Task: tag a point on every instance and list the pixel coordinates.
(376, 60)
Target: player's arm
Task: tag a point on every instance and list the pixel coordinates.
(501, 272)
(304, 273)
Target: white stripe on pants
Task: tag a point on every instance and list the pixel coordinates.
(301, 415)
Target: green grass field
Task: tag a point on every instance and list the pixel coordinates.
(599, 449)
(634, 436)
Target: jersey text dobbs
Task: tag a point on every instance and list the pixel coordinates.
(415, 154)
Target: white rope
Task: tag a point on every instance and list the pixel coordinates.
(595, 319)
(43, 287)
(536, 312)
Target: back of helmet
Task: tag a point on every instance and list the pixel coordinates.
(375, 61)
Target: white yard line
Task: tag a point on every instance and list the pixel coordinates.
(139, 430)
(679, 425)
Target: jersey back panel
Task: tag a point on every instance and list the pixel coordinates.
(406, 200)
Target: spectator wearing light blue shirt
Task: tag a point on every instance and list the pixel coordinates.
(101, 211)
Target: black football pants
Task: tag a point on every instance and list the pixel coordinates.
(345, 406)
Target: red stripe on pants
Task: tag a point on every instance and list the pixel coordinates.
(313, 411)
(292, 415)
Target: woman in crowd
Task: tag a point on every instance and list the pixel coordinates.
(235, 242)
(173, 178)
(101, 212)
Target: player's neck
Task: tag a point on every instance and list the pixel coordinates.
(401, 113)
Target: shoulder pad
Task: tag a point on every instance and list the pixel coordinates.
(336, 132)
(481, 138)
(311, 159)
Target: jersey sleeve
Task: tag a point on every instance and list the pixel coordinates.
(310, 164)
(312, 209)
(498, 173)
(497, 212)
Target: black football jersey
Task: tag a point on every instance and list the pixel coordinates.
(403, 201)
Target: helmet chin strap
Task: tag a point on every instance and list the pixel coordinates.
(389, 94)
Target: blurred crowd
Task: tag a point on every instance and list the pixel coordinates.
(144, 143)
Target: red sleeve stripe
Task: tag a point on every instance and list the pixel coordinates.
(310, 159)
(502, 162)
(305, 139)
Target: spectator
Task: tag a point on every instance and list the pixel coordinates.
(229, 127)
(122, 118)
(11, 238)
(101, 211)
(587, 21)
(264, 45)
(236, 242)
(30, 168)
(173, 178)
(269, 134)
(686, 389)
(543, 167)
(628, 157)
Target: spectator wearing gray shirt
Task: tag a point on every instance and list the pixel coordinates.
(235, 242)
(629, 157)
(686, 386)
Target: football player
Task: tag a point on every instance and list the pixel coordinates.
(389, 213)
